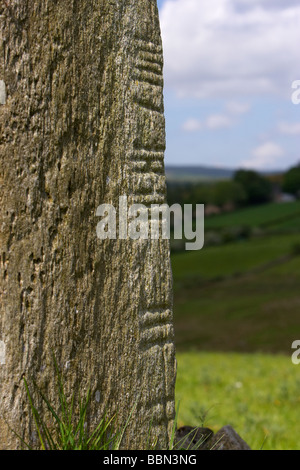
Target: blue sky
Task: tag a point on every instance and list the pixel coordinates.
(229, 70)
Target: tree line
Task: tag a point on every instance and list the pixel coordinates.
(246, 188)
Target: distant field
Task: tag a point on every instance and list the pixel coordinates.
(291, 224)
(257, 394)
(232, 259)
(240, 297)
(267, 215)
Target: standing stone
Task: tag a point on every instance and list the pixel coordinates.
(82, 124)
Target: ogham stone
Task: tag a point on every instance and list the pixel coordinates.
(82, 124)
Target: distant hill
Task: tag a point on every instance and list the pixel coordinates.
(197, 173)
(204, 173)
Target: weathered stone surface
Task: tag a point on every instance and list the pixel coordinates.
(227, 439)
(82, 123)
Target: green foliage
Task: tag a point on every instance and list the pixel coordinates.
(246, 188)
(291, 181)
(258, 189)
(228, 192)
(220, 193)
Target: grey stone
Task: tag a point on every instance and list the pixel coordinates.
(82, 125)
(227, 439)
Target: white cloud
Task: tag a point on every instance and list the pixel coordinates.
(192, 125)
(212, 122)
(241, 5)
(230, 48)
(218, 121)
(235, 107)
(289, 128)
(263, 156)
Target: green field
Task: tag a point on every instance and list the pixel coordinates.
(256, 394)
(240, 297)
(235, 258)
(236, 314)
(267, 215)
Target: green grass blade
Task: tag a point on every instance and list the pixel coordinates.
(62, 397)
(19, 437)
(174, 429)
(122, 431)
(36, 416)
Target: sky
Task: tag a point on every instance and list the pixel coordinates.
(229, 71)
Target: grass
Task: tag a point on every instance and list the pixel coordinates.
(292, 224)
(236, 314)
(66, 428)
(255, 313)
(227, 304)
(257, 394)
(266, 215)
(227, 260)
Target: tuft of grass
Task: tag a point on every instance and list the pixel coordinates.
(189, 441)
(67, 430)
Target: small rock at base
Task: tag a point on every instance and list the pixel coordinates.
(227, 439)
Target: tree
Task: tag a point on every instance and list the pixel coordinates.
(291, 181)
(258, 189)
(228, 192)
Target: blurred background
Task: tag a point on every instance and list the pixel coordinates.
(233, 139)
